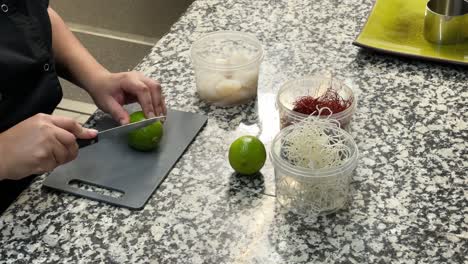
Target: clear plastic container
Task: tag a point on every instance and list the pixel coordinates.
(313, 192)
(226, 65)
(313, 86)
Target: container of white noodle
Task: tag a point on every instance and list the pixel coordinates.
(226, 65)
(314, 161)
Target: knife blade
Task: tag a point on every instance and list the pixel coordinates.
(117, 131)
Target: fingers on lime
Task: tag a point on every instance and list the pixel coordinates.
(146, 138)
(247, 155)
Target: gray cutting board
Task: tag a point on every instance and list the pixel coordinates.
(113, 165)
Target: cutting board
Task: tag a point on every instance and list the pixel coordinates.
(112, 165)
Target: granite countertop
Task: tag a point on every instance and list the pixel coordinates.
(410, 198)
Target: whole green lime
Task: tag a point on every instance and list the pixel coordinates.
(146, 138)
(247, 155)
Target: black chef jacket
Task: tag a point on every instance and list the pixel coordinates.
(28, 80)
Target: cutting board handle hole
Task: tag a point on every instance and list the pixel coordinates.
(91, 187)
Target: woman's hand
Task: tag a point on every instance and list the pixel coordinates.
(112, 90)
(109, 90)
(39, 144)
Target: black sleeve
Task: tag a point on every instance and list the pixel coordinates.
(45, 3)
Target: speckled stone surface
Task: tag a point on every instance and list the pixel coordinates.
(410, 203)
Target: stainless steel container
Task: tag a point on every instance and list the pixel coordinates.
(446, 21)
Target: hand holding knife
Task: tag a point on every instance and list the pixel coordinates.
(118, 131)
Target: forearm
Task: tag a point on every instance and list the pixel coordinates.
(3, 158)
(2, 164)
(74, 62)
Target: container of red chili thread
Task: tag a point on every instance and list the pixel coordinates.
(319, 95)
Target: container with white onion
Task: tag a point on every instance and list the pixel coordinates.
(226, 65)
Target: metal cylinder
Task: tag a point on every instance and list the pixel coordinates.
(446, 21)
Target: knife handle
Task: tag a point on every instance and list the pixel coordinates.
(86, 142)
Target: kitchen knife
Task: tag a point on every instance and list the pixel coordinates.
(117, 131)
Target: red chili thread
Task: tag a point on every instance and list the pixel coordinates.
(329, 101)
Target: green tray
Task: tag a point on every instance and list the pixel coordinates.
(396, 27)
